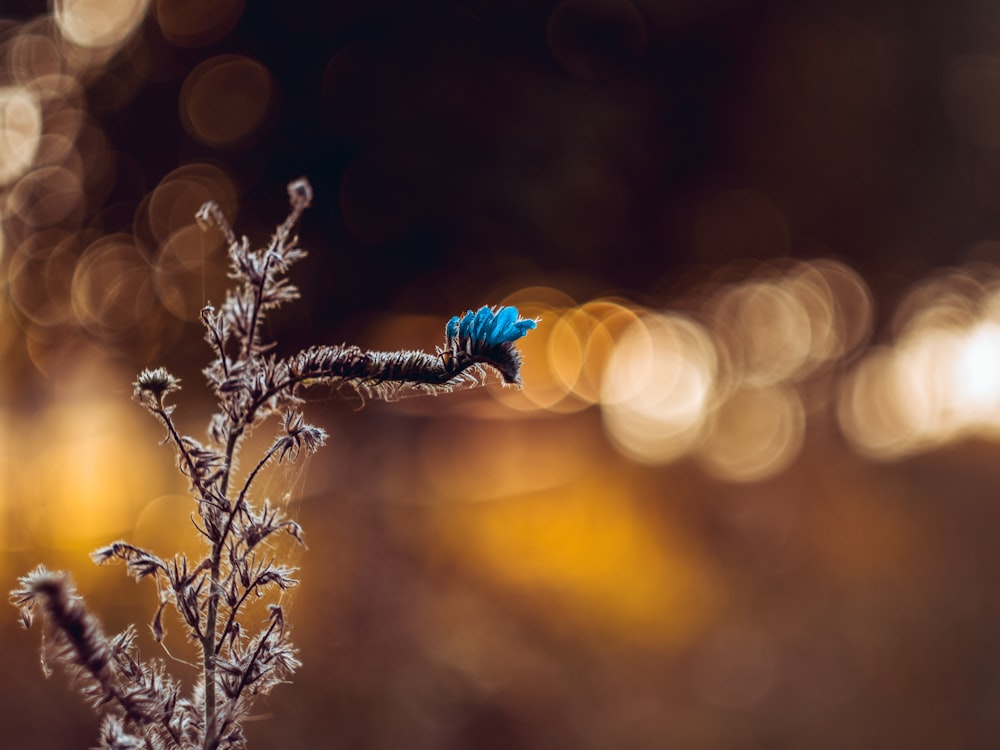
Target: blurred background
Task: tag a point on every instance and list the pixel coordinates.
(748, 497)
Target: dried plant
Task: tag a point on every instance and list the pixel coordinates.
(144, 706)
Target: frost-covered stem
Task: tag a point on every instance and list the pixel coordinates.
(253, 475)
(170, 730)
(255, 314)
(237, 506)
(232, 613)
(208, 644)
(164, 415)
(243, 677)
(208, 650)
(91, 650)
(220, 347)
(212, 641)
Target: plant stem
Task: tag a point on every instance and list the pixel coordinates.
(208, 644)
(208, 649)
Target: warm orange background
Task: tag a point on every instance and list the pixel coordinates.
(748, 497)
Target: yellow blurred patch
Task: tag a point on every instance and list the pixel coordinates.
(94, 466)
(585, 555)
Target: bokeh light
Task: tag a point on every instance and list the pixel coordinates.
(37, 62)
(39, 277)
(186, 272)
(225, 100)
(111, 286)
(783, 326)
(731, 381)
(72, 466)
(47, 196)
(766, 331)
(658, 387)
(550, 359)
(754, 434)
(98, 23)
(940, 380)
(172, 204)
(20, 131)
(84, 482)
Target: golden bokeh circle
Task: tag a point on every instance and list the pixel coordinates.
(754, 434)
(98, 23)
(111, 287)
(20, 131)
(658, 388)
(225, 100)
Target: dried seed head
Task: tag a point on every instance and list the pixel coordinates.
(155, 384)
(300, 193)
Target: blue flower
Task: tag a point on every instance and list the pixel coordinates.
(488, 328)
(487, 337)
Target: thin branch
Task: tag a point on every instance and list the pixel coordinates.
(244, 682)
(204, 492)
(241, 501)
(251, 339)
(234, 609)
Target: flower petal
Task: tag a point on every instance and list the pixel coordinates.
(484, 322)
(465, 329)
(523, 326)
(503, 326)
